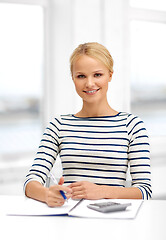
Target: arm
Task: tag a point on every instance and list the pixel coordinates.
(122, 193)
(89, 190)
(42, 165)
(46, 155)
(139, 156)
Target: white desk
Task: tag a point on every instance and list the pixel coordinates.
(150, 224)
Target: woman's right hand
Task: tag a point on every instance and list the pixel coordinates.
(53, 195)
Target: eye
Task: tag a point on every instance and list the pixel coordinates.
(81, 76)
(97, 74)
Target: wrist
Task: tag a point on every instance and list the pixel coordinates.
(45, 195)
(109, 192)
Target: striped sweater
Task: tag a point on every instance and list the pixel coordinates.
(96, 149)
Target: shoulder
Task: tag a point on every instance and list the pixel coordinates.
(134, 124)
(129, 118)
(132, 120)
(59, 120)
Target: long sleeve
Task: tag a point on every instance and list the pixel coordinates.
(46, 154)
(139, 156)
(96, 149)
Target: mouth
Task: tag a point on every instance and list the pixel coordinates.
(91, 92)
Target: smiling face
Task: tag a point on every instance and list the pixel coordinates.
(91, 78)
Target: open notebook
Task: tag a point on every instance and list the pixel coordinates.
(22, 206)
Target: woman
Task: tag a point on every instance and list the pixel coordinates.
(96, 145)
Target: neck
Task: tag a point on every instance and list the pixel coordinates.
(96, 110)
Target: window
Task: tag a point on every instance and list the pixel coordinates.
(149, 4)
(148, 80)
(147, 57)
(21, 79)
(148, 95)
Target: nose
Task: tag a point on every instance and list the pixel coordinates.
(90, 82)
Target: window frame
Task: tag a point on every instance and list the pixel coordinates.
(147, 15)
(156, 16)
(46, 100)
(43, 3)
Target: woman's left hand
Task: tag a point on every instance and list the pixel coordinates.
(86, 190)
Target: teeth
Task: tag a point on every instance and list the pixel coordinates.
(91, 91)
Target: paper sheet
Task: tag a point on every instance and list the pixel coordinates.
(83, 211)
(29, 207)
(22, 206)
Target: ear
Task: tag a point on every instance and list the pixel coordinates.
(110, 78)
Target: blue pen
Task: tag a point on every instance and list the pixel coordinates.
(63, 195)
(55, 181)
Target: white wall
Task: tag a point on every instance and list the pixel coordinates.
(58, 46)
(71, 22)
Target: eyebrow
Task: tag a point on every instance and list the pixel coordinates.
(92, 72)
(79, 73)
(100, 70)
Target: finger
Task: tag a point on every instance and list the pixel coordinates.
(57, 200)
(76, 194)
(79, 196)
(64, 188)
(56, 188)
(56, 203)
(76, 189)
(68, 196)
(55, 195)
(75, 184)
(61, 181)
(59, 203)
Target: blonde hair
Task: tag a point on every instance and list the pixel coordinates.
(94, 50)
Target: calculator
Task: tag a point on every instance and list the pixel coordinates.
(106, 207)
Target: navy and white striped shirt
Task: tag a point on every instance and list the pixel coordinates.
(96, 149)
